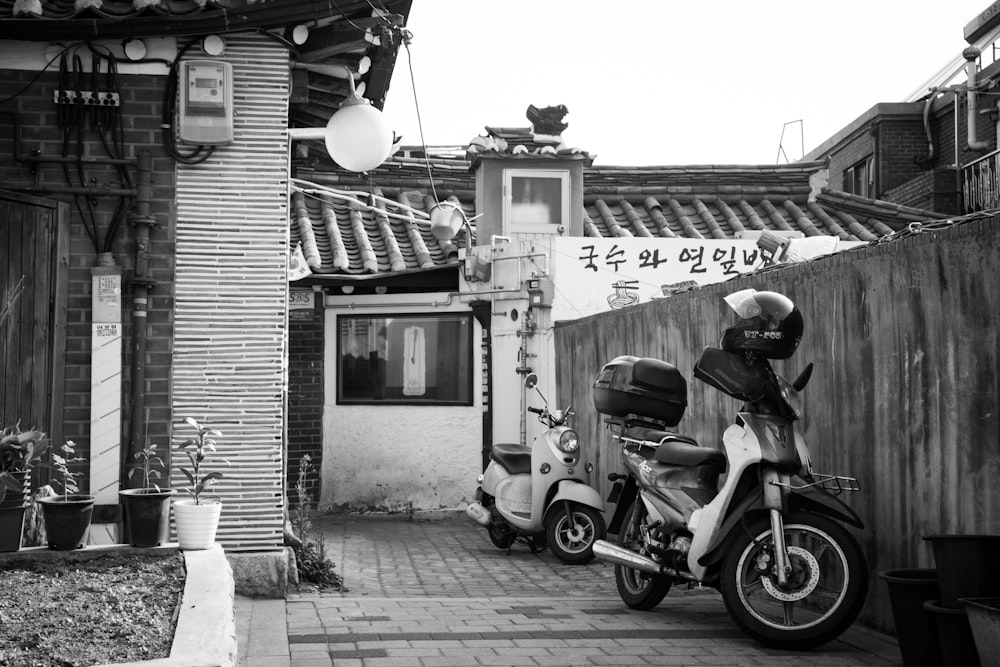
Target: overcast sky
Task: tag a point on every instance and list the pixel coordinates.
(666, 82)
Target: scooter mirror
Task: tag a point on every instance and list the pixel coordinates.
(531, 381)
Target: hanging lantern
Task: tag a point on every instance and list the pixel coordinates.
(357, 136)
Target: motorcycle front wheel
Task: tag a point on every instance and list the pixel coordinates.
(571, 536)
(824, 592)
(637, 589)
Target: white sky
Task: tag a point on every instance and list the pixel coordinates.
(666, 82)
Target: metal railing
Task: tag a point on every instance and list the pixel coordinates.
(981, 184)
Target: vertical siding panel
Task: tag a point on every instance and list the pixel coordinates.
(906, 339)
(229, 349)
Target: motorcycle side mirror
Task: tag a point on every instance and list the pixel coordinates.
(531, 381)
(803, 379)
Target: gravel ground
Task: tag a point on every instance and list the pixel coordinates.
(116, 608)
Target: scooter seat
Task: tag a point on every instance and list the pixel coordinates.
(679, 450)
(515, 459)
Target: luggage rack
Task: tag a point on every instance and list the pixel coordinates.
(836, 484)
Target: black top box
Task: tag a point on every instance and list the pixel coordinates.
(645, 387)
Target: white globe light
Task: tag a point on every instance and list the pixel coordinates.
(358, 138)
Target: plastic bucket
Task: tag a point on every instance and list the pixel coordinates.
(915, 627)
(966, 566)
(958, 647)
(984, 618)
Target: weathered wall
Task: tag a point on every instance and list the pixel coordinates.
(906, 341)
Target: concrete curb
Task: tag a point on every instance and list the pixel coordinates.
(206, 627)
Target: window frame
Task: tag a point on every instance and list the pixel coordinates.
(563, 178)
(399, 320)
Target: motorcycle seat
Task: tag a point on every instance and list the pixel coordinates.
(679, 450)
(515, 459)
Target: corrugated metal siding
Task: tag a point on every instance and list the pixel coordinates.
(230, 299)
(906, 341)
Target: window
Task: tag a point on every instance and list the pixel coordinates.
(860, 179)
(405, 359)
(536, 200)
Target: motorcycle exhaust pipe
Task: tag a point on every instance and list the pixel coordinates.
(613, 553)
(478, 513)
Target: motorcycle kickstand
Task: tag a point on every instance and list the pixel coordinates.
(782, 564)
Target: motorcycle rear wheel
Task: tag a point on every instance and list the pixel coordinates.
(826, 591)
(571, 536)
(637, 589)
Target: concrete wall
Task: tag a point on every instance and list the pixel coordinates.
(905, 336)
(398, 457)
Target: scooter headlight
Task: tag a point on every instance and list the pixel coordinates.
(568, 441)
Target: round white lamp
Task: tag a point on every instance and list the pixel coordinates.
(357, 136)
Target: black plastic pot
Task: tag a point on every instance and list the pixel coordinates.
(966, 566)
(916, 630)
(958, 646)
(11, 527)
(147, 516)
(67, 520)
(984, 617)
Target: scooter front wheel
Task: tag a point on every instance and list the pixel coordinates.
(824, 592)
(571, 536)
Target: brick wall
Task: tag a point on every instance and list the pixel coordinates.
(305, 396)
(32, 99)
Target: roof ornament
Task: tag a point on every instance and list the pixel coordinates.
(547, 122)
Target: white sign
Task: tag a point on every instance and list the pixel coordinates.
(593, 275)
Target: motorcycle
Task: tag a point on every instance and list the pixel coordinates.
(539, 494)
(771, 538)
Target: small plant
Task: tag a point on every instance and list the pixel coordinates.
(310, 554)
(149, 459)
(61, 464)
(199, 450)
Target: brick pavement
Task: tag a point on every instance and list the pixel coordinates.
(436, 592)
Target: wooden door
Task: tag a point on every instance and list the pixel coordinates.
(34, 278)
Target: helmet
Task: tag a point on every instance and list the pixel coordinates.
(772, 325)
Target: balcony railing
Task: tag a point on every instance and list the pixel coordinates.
(981, 184)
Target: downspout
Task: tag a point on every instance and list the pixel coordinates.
(971, 54)
(928, 132)
(141, 283)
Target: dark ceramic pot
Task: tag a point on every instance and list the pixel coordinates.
(147, 516)
(67, 520)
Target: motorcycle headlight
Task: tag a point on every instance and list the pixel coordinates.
(568, 441)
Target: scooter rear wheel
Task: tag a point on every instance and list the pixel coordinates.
(637, 589)
(571, 536)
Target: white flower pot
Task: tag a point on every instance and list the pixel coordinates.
(196, 524)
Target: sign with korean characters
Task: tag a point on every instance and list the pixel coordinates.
(593, 275)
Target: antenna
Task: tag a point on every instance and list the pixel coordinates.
(781, 142)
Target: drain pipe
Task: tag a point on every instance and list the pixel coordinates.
(971, 54)
(141, 283)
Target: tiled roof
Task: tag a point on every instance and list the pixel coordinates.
(345, 33)
(699, 201)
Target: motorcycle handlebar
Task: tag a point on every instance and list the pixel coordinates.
(537, 411)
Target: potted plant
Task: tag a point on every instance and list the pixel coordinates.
(197, 517)
(20, 451)
(147, 508)
(67, 516)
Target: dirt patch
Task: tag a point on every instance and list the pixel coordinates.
(110, 609)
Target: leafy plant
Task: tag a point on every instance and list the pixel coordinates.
(149, 459)
(310, 554)
(199, 450)
(19, 452)
(61, 464)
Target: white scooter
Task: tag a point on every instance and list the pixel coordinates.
(540, 494)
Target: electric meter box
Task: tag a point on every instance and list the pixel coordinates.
(205, 114)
